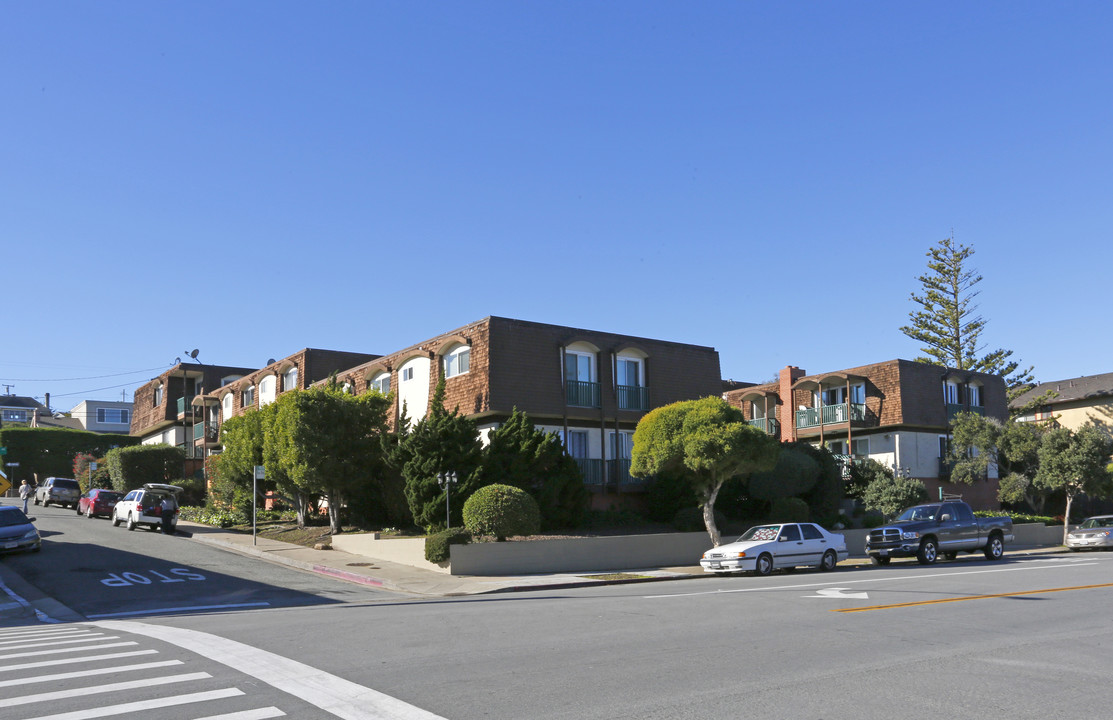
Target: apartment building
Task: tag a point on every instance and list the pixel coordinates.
(897, 412)
(588, 386)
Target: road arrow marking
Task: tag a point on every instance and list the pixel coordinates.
(840, 593)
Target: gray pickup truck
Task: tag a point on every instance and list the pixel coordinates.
(939, 529)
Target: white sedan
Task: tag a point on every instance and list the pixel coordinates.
(766, 548)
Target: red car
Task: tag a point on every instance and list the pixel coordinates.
(98, 502)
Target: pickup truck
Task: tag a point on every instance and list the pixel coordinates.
(939, 529)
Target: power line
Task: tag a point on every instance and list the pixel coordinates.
(86, 392)
(91, 377)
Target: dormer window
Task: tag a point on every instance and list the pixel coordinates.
(381, 382)
(248, 397)
(457, 361)
(290, 379)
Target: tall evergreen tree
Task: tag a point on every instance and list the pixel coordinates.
(948, 324)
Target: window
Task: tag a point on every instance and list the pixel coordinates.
(944, 446)
(579, 366)
(622, 444)
(834, 395)
(15, 415)
(630, 372)
(118, 416)
(950, 393)
(267, 390)
(290, 379)
(858, 394)
(407, 374)
(457, 361)
(381, 382)
(226, 405)
(158, 395)
(790, 533)
(974, 393)
(576, 443)
(837, 447)
(248, 399)
(811, 532)
(860, 447)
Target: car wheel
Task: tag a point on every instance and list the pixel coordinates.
(115, 519)
(829, 561)
(46, 502)
(36, 500)
(995, 548)
(929, 552)
(77, 509)
(131, 522)
(764, 564)
(880, 559)
(89, 512)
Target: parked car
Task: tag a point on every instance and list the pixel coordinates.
(943, 528)
(154, 505)
(98, 502)
(1094, 532)
(766, 548)
(17, 531)
(60, 491)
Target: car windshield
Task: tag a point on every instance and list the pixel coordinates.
(1095, 522)
(920, 512)
(109, 496)
(12, 516)
(67, 484)
(761, 532)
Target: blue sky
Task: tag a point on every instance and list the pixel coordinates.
(253, 178)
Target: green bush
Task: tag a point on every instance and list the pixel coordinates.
(790, 509)
(872, 519)
(502, 511)
(208, 516)
(690, 519)
(437, 544)
(1021, 517)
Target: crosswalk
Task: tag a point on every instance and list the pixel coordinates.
(80, 672)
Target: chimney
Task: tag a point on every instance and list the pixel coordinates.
(47, 403)
(789, 375)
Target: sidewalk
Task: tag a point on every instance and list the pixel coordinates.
(416, 581)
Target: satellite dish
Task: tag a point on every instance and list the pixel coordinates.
(193, 353)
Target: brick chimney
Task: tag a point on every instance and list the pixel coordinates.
(789, 375)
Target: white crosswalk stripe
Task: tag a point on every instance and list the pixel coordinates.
(85, 673)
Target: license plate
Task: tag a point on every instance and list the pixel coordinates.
(882, 553)
(10, 545)
(716, 566)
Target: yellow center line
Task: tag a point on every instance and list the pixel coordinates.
(972, 597)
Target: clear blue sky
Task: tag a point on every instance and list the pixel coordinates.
(251, 178)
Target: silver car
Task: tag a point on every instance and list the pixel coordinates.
(1094, 532)
(60, 491)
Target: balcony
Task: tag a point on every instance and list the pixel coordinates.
(592, 470)
(767, 425)
(200, 431)
(617, 472)
(582, 394)
(830, 415)
(182, 409)
(632, 397)
(954, 409)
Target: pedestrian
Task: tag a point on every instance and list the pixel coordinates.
(25, 493)
(169, 507)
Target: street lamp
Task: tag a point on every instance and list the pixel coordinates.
(446, 480)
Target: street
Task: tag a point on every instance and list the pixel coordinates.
(976, 638)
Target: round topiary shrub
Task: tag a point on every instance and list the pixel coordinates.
(502, 511)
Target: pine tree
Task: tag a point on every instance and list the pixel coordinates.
(948, 324)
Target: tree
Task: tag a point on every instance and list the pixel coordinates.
(886, 492)
(131, 467)
(325, 441)
(1076, 462)
(441, 442)
(978, 442)
(525, 457)
(708, 441)
(802, 471)
(948, 324)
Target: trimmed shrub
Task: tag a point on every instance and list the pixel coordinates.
(437, 544)
(789, 510)
(690, 519)
(502, 511)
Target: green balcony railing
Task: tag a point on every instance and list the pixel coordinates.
(592, 470)
(619, 473)
(954, 409)
(830, 414)
(582, 394)
(633, 397)
(768, 425)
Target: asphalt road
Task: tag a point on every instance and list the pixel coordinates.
(1021, 638)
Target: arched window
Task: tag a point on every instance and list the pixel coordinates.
(226, 405)
(158, 394)
(248, 400)
(381, 382)
(457, 361)
(290, 379)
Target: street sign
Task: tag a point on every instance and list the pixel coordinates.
(260, 472)
(3, 450)
(13, 464)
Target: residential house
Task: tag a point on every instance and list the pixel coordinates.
(103, 416)
(896, 412)
(1071, 403)
(590, 387)
(16, 409)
